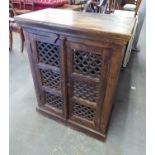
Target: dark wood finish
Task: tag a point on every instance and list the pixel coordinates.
(75, 65)
(14, 27)
(10, 40)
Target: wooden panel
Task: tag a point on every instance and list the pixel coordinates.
(86, 94)
(63, 61)
(111, 85)
(47, 63)
(38, 88)
(110, 26)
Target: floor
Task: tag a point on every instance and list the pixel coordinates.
(33, 134)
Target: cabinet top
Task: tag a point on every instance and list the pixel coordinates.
(117, 26)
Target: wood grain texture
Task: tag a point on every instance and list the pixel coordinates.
(75, 61)
(108, 25)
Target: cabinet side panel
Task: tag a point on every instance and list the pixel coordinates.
(32, 65)
(111, 85)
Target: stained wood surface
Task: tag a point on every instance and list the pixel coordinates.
(74, 76)
(86, 22)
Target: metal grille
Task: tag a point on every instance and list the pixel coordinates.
(83, 111)
(48, 53)
(51, 79)
(87, 63)
(53, 100)
(85, 91)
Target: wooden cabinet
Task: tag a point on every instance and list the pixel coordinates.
(74, 71)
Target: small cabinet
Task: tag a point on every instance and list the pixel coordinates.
(75, 64)
(70, 78)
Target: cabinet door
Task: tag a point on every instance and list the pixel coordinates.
(88, 68)
(48, 68)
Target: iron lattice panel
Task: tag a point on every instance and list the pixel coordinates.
(85, 91)
(48, 53)
(87, 63)
(83, 111)
(51, 79)
(54, 101)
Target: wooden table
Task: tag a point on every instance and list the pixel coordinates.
(75, 60)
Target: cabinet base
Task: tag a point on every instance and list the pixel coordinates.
(72, 124)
